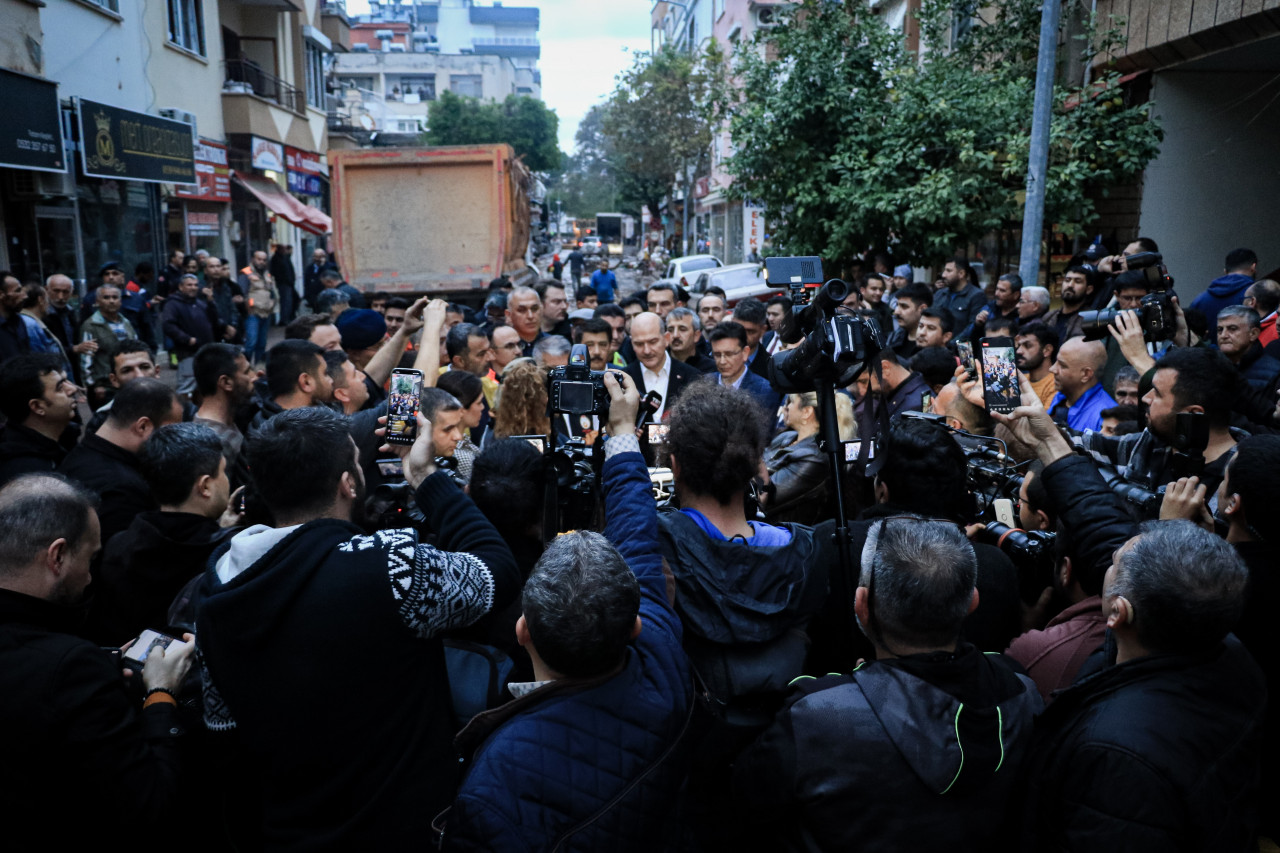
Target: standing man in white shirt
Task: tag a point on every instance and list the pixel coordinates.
(654, 369)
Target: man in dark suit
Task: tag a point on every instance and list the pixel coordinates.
(654, 368)
(731, 352)
(311, 284)
(751, 316)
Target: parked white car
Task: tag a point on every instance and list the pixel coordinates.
(738, 281)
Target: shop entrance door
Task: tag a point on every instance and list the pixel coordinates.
(58, 244)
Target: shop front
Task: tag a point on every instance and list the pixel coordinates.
(199, 214)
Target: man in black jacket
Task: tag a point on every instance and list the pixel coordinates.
(145, 566)
(918, 749)
(189, 321)
(282, 271)
(335, 766)
(107, 461)
(71, 731)
(1159, 747)
(38, 403)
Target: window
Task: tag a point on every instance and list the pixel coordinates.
(186, 24)
(109, 5)
(315, 75)
(422, 86)
(467, 85)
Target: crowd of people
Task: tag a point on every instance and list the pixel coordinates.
(233, 613)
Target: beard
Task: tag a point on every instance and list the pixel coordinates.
(1070, 297)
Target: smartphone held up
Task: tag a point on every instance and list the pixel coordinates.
(403, 402)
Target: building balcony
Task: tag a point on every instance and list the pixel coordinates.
(246, 77)
(514, 47)
(335, 24)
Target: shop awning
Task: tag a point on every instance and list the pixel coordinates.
(281, 203)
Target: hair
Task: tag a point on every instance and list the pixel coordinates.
(1197, 322)
(22, 380)
(523, 291)
(507, 483)
(521, 407)
(598, 326)
(1089, 273)
(633, 300)
(1006, 325)
(864, 279)
(922, 574)
(330, 274)
(288, 360)
(924, 470)
(580, 604)
(1015, 280)
(718, 436)
(716, 290)
(1266, 296)
(1128, 373)
(458, 340)
(609, 309)
(936, 364)
(465, 387)
(328, 298)
(728, 329)
(1244, 312)
(962, 264)
(551, 345)
(436, 400)
(785, 301)
(664, 285)
(1186, 585)
(297, 457)
(845, 418)
(918, 292)
(1037, 294)
(34, 293)
(128, 346)
(546, 284)
(1240, 259)
(211, 363)
(398, 302)
(142, 398)
(689, 314)
(1205, 378)
(333, 364)
(175, 457)
(1120, 412)
(1146, 244)
(300, 328)
(1253, 475)
(944, 318)
(1038, 497)
(750, 310)
(35, 511)
(1044, 334)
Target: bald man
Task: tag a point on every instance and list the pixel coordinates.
(1077, 374)
(654, 369)
(959, 412)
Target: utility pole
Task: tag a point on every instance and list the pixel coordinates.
(1038, 161)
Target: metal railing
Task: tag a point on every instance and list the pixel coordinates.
(334, 7)
(252, 79)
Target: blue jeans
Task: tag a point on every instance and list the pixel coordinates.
(255, 338)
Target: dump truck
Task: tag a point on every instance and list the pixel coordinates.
(443, 221)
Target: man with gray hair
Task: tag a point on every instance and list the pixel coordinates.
(918, 749)
(686, 340)
(1238, 331)
(609, 670)
(1033, 304)
(552, 351)
(70, 725)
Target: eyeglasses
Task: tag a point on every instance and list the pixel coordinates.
(513, 345)
(724, 356)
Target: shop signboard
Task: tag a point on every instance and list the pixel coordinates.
(213, 177)
(31, 134)
(133, 146)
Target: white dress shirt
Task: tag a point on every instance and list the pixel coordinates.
(658, 382)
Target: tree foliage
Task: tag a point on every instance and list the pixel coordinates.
(659, 120)
(588, 184)
(522, 122)
(852, 143)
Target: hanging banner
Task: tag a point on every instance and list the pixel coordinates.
(213, 177)
(304, 171)
(116, 143)
(31, 134)
(752, 229)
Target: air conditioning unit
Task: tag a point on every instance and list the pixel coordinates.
(182, 116)
(766, 16)
(360, 47)
(31, 184)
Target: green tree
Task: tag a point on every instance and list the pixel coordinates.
(852, 143)
(588, 184)
(660, 120)
(522, 122)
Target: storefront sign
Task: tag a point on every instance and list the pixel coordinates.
(213, 178)
(116, 143)
(752, 229)
(267, 155)
(31, 134)
(305, 169)
(202, 224)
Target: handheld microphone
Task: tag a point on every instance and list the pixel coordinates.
(648, 407)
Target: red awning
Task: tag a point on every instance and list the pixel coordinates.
(281, 203)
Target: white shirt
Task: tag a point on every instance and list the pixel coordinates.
(658, 382)
(737, 383)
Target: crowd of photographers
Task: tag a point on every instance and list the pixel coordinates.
(659, 574)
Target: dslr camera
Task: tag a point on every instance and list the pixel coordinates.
(576, 389)
(1155, 313)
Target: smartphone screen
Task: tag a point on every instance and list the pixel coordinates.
(391, 467)
(402, 406)
(965, 350)
(658, 433)
(999, 375)
(141, 648)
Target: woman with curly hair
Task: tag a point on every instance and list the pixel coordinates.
(521, 403)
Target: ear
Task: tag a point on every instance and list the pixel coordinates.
(1043, 518)
(347, 486)
(973, 602)
(226, 383)
(1066, 573)
(115, 383)
(882, 492)
(54, 556)
(1234, 505)
(306, 382)
(204, 486)
(143, 427)
(37, 406)
(635, 629)
(522, 631)
(1119, 612)
(861, 609)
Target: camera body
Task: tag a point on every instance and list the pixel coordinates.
(576, 389)
(1156, 314)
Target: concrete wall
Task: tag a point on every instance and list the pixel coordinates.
(20, 37)
(1213, 187)
(99, 56)
(183, 81)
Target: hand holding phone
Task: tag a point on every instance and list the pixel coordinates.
(403, 402)
(1000, 387)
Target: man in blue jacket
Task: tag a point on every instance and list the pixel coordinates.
(591, 754)
(1239, 271)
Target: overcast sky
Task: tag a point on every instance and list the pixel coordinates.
(585, 43)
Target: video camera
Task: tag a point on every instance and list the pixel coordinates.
(1156, 313)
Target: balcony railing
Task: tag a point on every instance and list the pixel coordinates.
(334, 7)
(246, 76)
